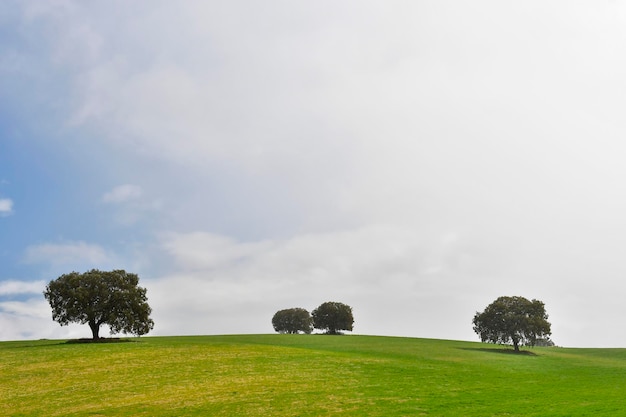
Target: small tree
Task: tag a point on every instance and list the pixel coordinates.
(292, 320)
(333, 317)
(512, 320)
(98, 297)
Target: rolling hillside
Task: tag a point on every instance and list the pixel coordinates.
(306, 375)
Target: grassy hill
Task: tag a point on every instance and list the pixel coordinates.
(306, 375)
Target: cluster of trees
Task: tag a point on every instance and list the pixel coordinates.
(115, 298)
(331, 317)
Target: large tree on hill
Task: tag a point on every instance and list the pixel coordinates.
(292, 320)
(99, 297)
(512, 320)
(333, 317)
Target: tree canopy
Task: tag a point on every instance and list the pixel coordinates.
(99, 297)
(292, 320)
(333, 317)
(512, 320)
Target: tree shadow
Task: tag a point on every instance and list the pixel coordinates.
(99, 340)
(505, 351)
(45, 343)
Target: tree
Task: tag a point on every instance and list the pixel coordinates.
(98, 297)
(292, 320)
(513, 320)
(333, 317)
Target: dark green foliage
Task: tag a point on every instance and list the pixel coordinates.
(99, 297)
(513, 320)
(292, 320)
(333, 317)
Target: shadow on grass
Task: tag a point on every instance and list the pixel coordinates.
(46, 343)
(505, 351)
(101, 340)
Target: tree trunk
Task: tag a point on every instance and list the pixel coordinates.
(95, 329)
(516, 345)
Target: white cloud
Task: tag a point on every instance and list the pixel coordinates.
(68, 254)
(199, 250)
(6, 206)
(32, 319)
(399, 281)
(21, 287)
(415, 160)
(130, 204)
(407, 120)
(29, 308)
(122, 194)
(381, 271)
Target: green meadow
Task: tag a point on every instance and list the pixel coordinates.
(306, 375)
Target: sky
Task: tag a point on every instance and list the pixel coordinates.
(412, 159)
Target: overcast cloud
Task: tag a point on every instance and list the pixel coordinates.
(414, 160)
(6, 206)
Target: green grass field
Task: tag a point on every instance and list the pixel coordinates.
(306, 375)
